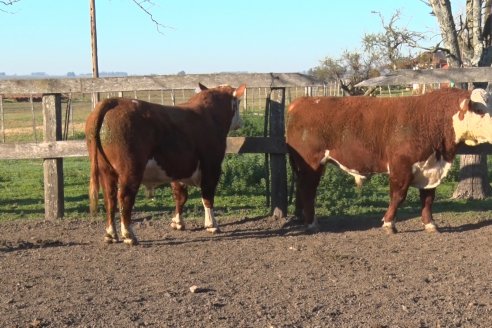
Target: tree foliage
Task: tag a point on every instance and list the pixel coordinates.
(380, 51)
(388, 46)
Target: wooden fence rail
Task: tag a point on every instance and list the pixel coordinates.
(52, 150)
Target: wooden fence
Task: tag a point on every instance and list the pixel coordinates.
(52, 150)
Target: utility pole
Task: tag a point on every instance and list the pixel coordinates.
(95, 65)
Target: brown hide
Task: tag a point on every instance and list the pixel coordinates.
(370, 135)
(124, 134)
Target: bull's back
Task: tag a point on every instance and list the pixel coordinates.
(357, 130)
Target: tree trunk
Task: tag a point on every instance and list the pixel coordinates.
(473, 168)
(473, 178)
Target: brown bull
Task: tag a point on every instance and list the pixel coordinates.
(412, 139)
(132, 142)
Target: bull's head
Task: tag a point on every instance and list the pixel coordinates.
(232, 98)
(473, 123)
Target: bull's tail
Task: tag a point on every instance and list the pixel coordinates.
(93, 180)
(93, 129)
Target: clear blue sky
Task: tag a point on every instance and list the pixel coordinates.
(53, 36)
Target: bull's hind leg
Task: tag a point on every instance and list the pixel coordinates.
(109, 191)
(127, 192)
(427, 197)
(180, 195)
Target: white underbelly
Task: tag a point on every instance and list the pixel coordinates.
(429, 174)
(155, 176)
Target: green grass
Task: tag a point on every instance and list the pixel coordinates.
(241, 193)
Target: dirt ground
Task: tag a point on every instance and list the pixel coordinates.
(259, 272)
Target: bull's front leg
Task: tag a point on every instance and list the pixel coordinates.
(208, 187)
(180, 196)
(398, 193)
(210, 223)
(307, 186)
(427, 197)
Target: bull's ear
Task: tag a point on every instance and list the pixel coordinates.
(202, 87)
(238, 93)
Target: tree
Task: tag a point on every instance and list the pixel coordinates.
(350, 69)
(389, 45)
(381, 51)
(466, 47)
(7, 3)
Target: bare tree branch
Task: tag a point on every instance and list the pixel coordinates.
(7, 3)
(140, 4)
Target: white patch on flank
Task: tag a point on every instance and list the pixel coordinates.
(155, 176)
(359, 178)
(428, 174)
(473, 129)
(135, 101)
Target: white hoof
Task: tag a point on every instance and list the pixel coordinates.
(431, 227)
(389, 228)
(213, 229)
(177, 226)
(130, 241)
(313, 227)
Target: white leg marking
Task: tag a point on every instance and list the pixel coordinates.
(389, 227)
(110, 236)
(128, 235)
(430, 227)
(210, 223)
(313, 227)
(177, 222)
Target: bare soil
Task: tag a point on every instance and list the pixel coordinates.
(259, 272)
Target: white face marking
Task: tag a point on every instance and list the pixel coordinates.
(473, 129)
(236, 121)
(359, 178)
(155, 176)
(428, 174)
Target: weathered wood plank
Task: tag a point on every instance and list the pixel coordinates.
(407, 76)
(154, 82)
(53, 167)
(61, 149)
(278, 165)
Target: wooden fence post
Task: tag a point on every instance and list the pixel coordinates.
(53, 167)
(278, 166)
